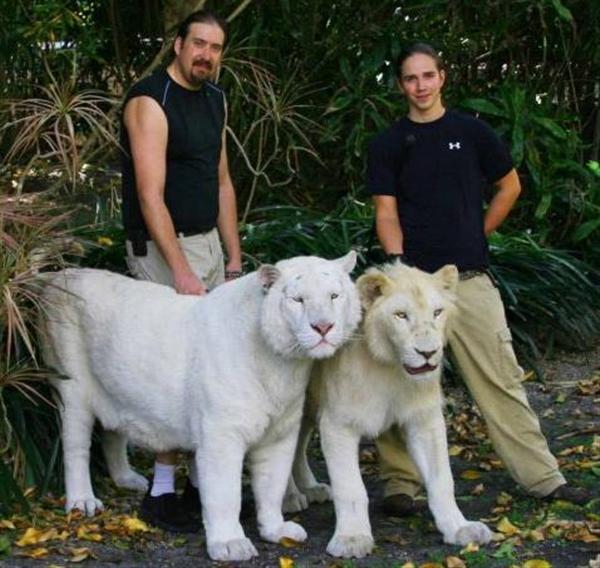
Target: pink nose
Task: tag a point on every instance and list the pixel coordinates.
(322, 328)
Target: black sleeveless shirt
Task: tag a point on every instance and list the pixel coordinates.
(195, 121)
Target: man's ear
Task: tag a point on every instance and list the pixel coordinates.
(399, 84)
(177, 45)
(443, 77)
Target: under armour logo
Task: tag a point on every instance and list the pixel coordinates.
(454, 145)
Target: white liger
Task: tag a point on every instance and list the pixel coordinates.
(390, 376)
(222, 375)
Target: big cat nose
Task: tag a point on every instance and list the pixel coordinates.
(322, 328)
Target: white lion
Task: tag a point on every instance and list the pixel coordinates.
(222, 375)
(391, 376)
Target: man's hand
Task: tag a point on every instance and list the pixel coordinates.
(189, 283)
(233, 270)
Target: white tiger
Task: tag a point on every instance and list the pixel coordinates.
(222, 375)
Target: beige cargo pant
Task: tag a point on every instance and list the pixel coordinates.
(204, 253)
(481, 346)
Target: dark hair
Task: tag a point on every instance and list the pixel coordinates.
(414, 48)
(201, 17)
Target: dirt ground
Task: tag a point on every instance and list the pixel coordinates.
(562, 535)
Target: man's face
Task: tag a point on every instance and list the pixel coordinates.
(421, 82)
(199, 54)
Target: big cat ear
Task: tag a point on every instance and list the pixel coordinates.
(447, 276)
(347, 262)
(371, 286)
(268, 275)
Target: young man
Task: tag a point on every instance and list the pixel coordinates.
(425, 173)
(178, 199)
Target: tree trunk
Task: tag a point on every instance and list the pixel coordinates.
(175, 11)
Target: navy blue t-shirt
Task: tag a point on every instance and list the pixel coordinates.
(438, 171)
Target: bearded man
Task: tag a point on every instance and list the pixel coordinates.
(179, 202)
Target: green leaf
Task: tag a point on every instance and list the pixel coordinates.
(505, 550)
(4, 545)
(543, 206)
(551, 126)
(483, 105)
(594, 167)
(563, 12)
(518, 145)
(586, 229)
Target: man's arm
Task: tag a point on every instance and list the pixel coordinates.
(509, 188)
(148, 133)
(387, 224)
(227, 220)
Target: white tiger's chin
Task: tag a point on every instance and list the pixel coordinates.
(322, 350)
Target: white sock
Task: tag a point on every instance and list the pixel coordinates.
(164, 479)
(193, 472)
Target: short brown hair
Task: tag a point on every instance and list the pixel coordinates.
(414, 48)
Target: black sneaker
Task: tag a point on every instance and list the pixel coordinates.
(399, 505)
(576, 495)
(190, 499)
(167, 512)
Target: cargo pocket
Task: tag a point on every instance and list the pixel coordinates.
(508, 364)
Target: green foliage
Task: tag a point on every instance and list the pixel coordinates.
(32, 241)
(550, 296)
(561, 203)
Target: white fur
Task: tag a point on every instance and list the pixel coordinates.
(380, 380)
(222, 375)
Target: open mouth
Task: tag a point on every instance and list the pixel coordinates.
(427, 368)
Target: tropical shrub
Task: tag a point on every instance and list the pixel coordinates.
(32, 239)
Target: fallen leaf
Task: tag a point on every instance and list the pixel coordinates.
(80, 554)
(535, 563)
(6, 524)
(561, 398)
(455, 450)
(504, 498)
(289, 542)
(133, 524)
(528, 375)
(471, 547)
(36, 536)
(285, 562)
(35, 553)
(478, 489)
(454, 562)
(535, 535)
(506, 527)
(407, 565)
(470, 474)
(86, 533)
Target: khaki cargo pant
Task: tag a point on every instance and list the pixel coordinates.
(204, 253)
(481, 346)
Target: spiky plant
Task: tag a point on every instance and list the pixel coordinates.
(31, 240)
(64, 126)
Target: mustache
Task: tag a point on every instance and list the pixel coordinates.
(203, 62)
